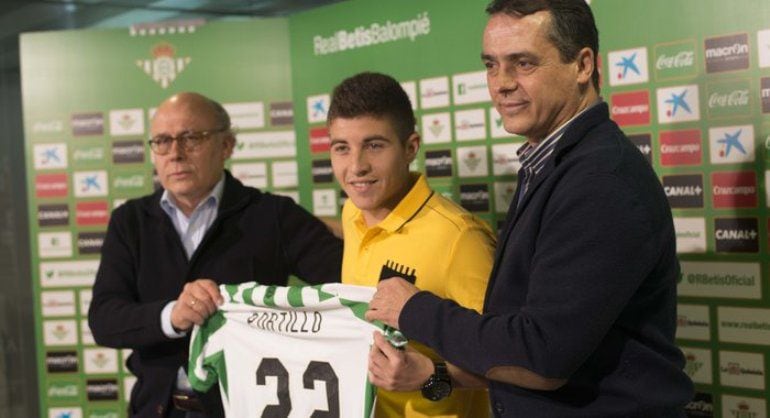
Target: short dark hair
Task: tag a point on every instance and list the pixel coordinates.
(572, 25)
(373, 94)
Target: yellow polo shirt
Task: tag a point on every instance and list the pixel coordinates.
(447, 251)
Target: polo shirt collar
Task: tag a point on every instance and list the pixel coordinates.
(406, 209)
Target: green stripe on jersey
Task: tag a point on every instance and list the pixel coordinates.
(295, 297)
(269, 299)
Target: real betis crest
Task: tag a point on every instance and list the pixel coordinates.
(164, 66)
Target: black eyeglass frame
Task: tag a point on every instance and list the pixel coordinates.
(188, 140)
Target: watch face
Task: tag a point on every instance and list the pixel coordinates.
(436, 389)
(442, 389)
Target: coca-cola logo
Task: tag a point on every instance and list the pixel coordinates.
(681, 60)
(734, 98)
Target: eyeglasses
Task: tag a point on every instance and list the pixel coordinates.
(189, 140)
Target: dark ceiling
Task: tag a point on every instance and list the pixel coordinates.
(45, 15)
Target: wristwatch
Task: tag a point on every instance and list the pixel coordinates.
(439, 385)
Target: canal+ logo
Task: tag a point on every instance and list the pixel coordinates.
(628, 67)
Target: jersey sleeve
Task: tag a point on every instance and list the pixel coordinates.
(207, 360)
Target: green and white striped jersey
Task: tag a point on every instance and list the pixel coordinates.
(287, 351)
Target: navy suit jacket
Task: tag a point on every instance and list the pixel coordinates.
(583, 288)
(256, 236)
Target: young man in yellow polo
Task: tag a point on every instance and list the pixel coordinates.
(394, 225)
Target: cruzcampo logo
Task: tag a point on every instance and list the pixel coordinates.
(675, 60)
(67, 391)
(164, 65)
(729, 98)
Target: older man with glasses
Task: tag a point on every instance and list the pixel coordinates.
(166, 253)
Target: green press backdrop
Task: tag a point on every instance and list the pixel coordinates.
(688, 80)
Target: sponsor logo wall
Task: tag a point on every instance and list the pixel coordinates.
(693, 95)
(88, 153)
(709, 81)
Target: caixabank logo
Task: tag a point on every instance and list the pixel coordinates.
(474, 197)
(678, 148)
(632, 108)
(736, 235)
(644, 143)
(684, 191)
(317, 108)
(438, 163)
(734, 189)
(90, 183)
(628, 66)
(49, 156)
(727, 53)
(732, 144)
(678, 104)
(65, 412)
(102, 389)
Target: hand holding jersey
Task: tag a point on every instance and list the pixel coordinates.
(391, 368)
(387, 303)
(198, 301)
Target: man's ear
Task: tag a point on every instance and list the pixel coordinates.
(228, 145)
(412, 146)
(585, 65)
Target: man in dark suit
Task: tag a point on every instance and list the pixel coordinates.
(580, 311)
(166, 253)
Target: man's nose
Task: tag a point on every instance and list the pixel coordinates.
(360, 163)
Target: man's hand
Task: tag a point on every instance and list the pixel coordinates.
(387, 303)
(198, 301)
(394, 369)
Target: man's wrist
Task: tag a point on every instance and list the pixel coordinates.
(439, 384)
